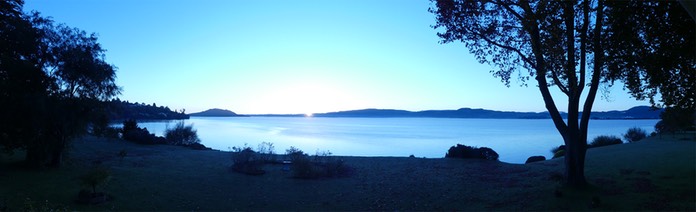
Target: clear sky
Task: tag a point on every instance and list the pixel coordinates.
(257, 57)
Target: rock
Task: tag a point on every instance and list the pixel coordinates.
(535, 159)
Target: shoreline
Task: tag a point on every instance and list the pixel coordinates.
(160, 177)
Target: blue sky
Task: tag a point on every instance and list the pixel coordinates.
(266, 56)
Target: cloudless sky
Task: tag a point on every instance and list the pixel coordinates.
(258, 57)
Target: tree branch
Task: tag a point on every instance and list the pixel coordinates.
(510, 48)
(596, 69)
(558, 83)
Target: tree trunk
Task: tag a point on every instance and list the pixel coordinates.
(56, 157)
(575, 151)
(35, 157)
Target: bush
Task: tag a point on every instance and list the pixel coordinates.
(131, 132)
(558, 151)
(142, 136)
(677, 119)
(130, 124)
(533, 159)
(303, 168)
(294, 153)
(181, 134)
(323, 166)
(265, 151)
(96, 177)
(244, 161)
(635, 134)
(604, 140)
(463, 151)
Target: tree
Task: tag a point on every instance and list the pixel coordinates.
(565, 44)
(23, 84)
(573, 45)
(542, 38)
(53, 80)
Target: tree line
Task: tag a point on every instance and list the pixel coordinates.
(118, 110)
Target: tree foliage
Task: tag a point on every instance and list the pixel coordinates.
(650, 48)
(53, 79)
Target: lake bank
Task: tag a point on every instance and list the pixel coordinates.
(177, 178)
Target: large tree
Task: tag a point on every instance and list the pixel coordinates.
(556, 43)
(53, 80)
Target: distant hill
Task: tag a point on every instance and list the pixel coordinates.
(215, 112)
(640, 112)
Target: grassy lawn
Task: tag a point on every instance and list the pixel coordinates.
(655, 174)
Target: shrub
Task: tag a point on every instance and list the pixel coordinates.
(294, 153)
(533, 159)
(635, 134)
(122, 154)
(336, 168)
(130, 124)
(303, 168)
(198, 146)
(111, 132)
(131, 132)
(265, 151)
(604, 140)
(558, 151)
(244, 161)
(142, 136)
(181, 134)
(488, 153)
(96, 177)
(463, 151)
(677, 119)
(323, 166)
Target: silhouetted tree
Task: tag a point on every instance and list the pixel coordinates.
(53, 80)
(557, 43)
(23, 84)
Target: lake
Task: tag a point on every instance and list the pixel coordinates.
(513, 139)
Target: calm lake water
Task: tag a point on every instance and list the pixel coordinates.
(514, 139)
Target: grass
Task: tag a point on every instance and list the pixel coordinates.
(657, 173)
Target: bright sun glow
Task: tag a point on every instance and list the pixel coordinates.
(306, 97)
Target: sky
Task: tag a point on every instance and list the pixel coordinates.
(294, 57)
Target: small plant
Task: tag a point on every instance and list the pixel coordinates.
(294, 153)
(604, 140)
(322, 156)
(244, 161)
(303, 168)
(558, 151)
(463, 151)
(122, 154)
(30, 205)
(129, 124)
(265, 150)
(96, 177)
(635, 134)
(323, 166)
(181, 134)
